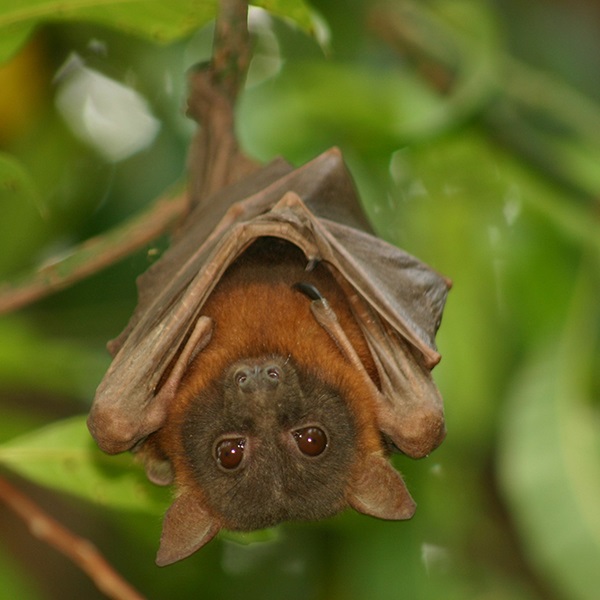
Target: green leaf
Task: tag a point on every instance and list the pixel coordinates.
(294, 10)
(246, 538)
(153, 19)
(16, 578)
(15, 183)
(550, 455)
(64, 367)
(156, 20)
(382, 109)
(20, 202)
(64, 457)
(12, 36)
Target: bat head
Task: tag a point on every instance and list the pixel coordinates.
(274, 445)
(270, 443)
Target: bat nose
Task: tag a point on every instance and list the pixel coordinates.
(262, 376)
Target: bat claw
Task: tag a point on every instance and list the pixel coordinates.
(308, 289)
(311, 264)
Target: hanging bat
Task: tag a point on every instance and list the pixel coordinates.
(278, 354)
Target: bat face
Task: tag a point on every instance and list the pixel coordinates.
(268, 444)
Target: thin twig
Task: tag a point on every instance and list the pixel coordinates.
(78, 549)
(94, 254)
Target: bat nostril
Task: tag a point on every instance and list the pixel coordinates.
(271, 376)
(245, 378)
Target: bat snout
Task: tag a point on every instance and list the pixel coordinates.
(252, 378)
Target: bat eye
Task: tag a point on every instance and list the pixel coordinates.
(311, 441)
(230, 452)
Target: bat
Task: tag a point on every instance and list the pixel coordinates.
(278, 354)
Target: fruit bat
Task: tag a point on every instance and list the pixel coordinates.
(278, 354)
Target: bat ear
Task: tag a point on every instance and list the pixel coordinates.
(186, 528)
(379, 491)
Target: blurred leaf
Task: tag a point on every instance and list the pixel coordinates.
(462, 37)
(55, 186)
(15, 184)
(15, 578)
(15, 421)
(251, 537)
(386, 561)
(64, 457)
(544, 118)
(450, 209)
(156, 20)
(551, 124)
(31, 361)
(549, 453)
(20, 202)
(14, 35)
(297, 11)
(381, 110)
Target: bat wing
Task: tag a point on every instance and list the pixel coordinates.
(397, 301)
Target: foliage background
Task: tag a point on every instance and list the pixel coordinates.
(472, 128)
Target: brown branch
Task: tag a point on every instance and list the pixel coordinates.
(78, 549)
(231, 47)
(215, 157)
(94, 254)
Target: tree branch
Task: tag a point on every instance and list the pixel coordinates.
(231, 47)
(78, 549)
(215, 157)
(94, 254)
